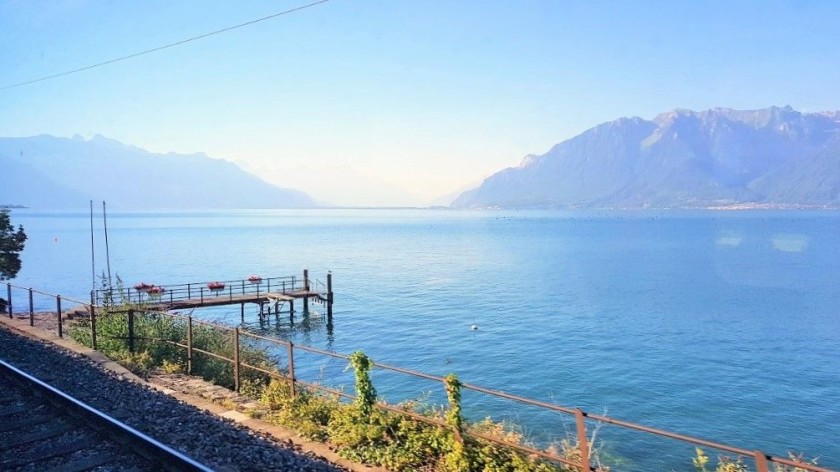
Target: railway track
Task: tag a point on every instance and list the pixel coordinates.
(42, 428)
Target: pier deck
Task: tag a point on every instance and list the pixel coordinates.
(255, 289)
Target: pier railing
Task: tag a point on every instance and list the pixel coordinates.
(583, 420)
(161, 294)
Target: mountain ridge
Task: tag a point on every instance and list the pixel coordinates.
(720, 157)
(55, 172)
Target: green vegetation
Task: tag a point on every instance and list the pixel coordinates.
(729, 464)
(11, 245)
(360, 430)
(409, 436)
(155, 344)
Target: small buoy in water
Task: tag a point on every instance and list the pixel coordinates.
(474, 327)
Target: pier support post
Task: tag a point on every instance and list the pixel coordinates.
(329, 296)
(242, 312)
(305, 289)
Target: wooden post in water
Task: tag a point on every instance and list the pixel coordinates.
(329, 296)
(305, 289)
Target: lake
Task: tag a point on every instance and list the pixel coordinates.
(722, 325)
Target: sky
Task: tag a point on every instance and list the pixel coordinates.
(399, 102)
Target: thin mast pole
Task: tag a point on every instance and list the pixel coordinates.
(107, 251)
(92, 252)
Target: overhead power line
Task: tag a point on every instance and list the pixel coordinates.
(167, 46)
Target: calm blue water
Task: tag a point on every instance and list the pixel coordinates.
(719, 325)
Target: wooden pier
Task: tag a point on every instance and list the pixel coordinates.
(268, 292)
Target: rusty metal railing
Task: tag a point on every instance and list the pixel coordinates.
(761, 459)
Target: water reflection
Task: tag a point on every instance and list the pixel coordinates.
(789, 242)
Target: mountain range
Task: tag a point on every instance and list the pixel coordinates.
(50, 172)
(774, 157)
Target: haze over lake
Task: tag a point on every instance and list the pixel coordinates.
(722, 325)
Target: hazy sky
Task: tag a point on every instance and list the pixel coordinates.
(374, 102)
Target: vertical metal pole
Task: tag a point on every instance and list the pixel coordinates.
(131, 331)
(188, 291)
(230, 290)
(760, 461)
(107, 250)
(202, 294)
(9, 299)
(189, 345)
(284, 286)
(31, 309)
(292, 368)
(306, 280)
(242, 311)
(243, 287)
(268, 288)
(58, 310)
(583, 441)
(92, 252)
(236, 359)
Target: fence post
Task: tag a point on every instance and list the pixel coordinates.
(583, 441)
(268, 287)
(58, 310)
(236, 359)
(188, 291)
(131, 330)
(31, 309)
(760, 461)
(306, 280)
(230, 290)
(9, 299)
(189, 345)
(292, 368)
(202, 294)
(93, 327)
(243, 287)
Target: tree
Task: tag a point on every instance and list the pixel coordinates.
(11, 245)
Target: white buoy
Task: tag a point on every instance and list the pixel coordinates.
(474, 327)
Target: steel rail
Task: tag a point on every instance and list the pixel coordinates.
(145, 446)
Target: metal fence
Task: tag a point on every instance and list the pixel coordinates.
(152, 293)
(761, 460)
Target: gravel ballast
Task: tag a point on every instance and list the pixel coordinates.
(213, 441)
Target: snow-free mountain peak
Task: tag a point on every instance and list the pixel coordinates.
(775, 156)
